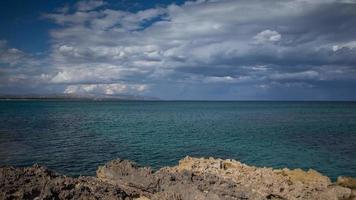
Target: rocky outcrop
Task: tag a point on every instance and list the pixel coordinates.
(193, 178)
(38, 182)
(347, 182)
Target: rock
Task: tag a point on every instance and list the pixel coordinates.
(38, 182)
(268, 183)
(353, 193)
(341, 192)
(192, 178)
(170, 183)
(136, 181)
(310, 177)
(346, 182)
(142, 198)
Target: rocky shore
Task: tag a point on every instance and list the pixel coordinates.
(193, 178)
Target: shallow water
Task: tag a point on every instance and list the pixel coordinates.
(74, 137)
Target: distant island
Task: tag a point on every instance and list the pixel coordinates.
(79, 97)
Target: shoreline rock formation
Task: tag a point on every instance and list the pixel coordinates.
(192, 178)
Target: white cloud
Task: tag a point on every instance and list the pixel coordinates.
(12, 56)
(106, 89)
(213, 79)
(305, 75)
(88, 73)
(349, 45)
(88, 5)
(65, 49)
(226, 79)
(267, 36)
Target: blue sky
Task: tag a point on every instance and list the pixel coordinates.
(200, 50)
(23, 28)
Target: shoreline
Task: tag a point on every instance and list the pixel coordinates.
(192, 178)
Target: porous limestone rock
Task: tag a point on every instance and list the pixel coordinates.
(191, 179)
(38, 182)
(282, 184)
(346, 182)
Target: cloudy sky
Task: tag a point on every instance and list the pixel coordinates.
(200, 50)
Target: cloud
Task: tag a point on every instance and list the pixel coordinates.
(237, 49)
(306, 75)
(267, 36)
(89, 5)
(11, 56)
(105, 89)
(350, 45)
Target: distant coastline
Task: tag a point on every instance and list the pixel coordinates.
(140, 98)
(76, 97)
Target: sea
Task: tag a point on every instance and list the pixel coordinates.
(75, 137)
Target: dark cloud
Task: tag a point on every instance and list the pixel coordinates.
(226, 49)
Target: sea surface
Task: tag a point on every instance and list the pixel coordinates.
(74, 137)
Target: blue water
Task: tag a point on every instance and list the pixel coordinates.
(75, 137)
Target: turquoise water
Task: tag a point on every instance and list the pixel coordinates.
(75, 137)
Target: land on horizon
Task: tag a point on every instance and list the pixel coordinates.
(101, 97)
(74, 97)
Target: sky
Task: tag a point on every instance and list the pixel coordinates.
(180, 50)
